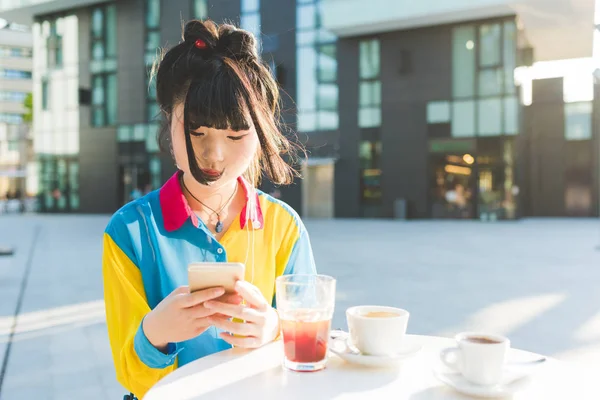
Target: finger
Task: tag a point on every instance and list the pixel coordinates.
(236, 311)
(199, 311)
(200, 296)
(230, 298)
(236, 328)
(252, 295)
(249, 342)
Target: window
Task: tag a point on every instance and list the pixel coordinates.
(490, 117)
(463, 61)
(152, 45)
(104, 99)
(463, 118)
(11, 118)
(370, 177)
(14, 74)
(250, 19)
(200, 9)
(509, 50)
(155, 172)
(369, 112)
(12, 96)
(511, 115)
(18, 52)
(103, 66)
(578, 121)
(152, 14)
(316, 71)
(490, 45)
(483, 87)
(438, 112)
(44, 94)
(54, 46)
(369, 59)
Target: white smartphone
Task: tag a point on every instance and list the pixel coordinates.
(204, 275)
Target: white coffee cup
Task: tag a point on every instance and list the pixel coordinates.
(377, 330)
(479, 357)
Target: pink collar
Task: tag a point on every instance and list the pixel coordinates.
(176, 210)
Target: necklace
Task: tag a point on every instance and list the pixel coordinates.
(219, 225)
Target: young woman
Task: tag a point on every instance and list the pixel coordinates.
(221, 110)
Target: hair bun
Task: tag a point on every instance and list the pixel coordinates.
(205, 31)
(237, 43)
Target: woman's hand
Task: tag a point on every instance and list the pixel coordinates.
(182, 315)
(261, 324)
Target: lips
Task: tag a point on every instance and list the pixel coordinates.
(213, 173)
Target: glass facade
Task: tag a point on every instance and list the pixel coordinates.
(483, 87)
(369, 112)
(103, 66)
(578, 121)
(369, 120)
(14, 74)
(12, 96)
(152, 48)
(472, 169)
(316, 68)
(56, 112)
(18, 52)
(250, 19)
(200, 9)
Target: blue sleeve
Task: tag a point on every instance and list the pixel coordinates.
(150, 355)
(301, 260)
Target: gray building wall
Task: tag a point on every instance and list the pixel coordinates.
(98, 166)
(547, 149)
(131, 88)
(416, 68)
(596, 151)
(279, 44)
(347, 168)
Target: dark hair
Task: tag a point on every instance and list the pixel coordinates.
(222, 85)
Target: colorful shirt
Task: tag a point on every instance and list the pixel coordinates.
(148, 245)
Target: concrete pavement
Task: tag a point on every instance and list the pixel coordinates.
(534, 280)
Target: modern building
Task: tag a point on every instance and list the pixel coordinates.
(433, 123)
(424, 120)
(15, 86)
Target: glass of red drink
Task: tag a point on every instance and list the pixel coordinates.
(305, 304)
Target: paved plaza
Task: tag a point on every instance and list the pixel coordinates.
(537, 281)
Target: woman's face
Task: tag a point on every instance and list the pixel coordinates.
(222, 154)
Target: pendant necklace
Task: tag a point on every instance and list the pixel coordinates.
(219, 225)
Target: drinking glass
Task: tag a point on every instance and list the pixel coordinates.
(305, 304)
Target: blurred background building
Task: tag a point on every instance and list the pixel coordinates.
(457, 109)
(15, 90)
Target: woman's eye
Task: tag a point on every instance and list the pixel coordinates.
(197, 134)
(236, 138)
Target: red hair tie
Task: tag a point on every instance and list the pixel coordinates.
(200, 44)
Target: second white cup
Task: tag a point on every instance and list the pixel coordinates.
(479, 357)
(377, 330)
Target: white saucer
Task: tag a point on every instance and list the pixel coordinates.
(339, 345)
(511, 383)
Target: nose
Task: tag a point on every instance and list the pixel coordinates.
(212, 151)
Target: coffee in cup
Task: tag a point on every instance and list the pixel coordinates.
(479, 357)
(377, 330)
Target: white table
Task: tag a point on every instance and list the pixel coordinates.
(258, 374)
